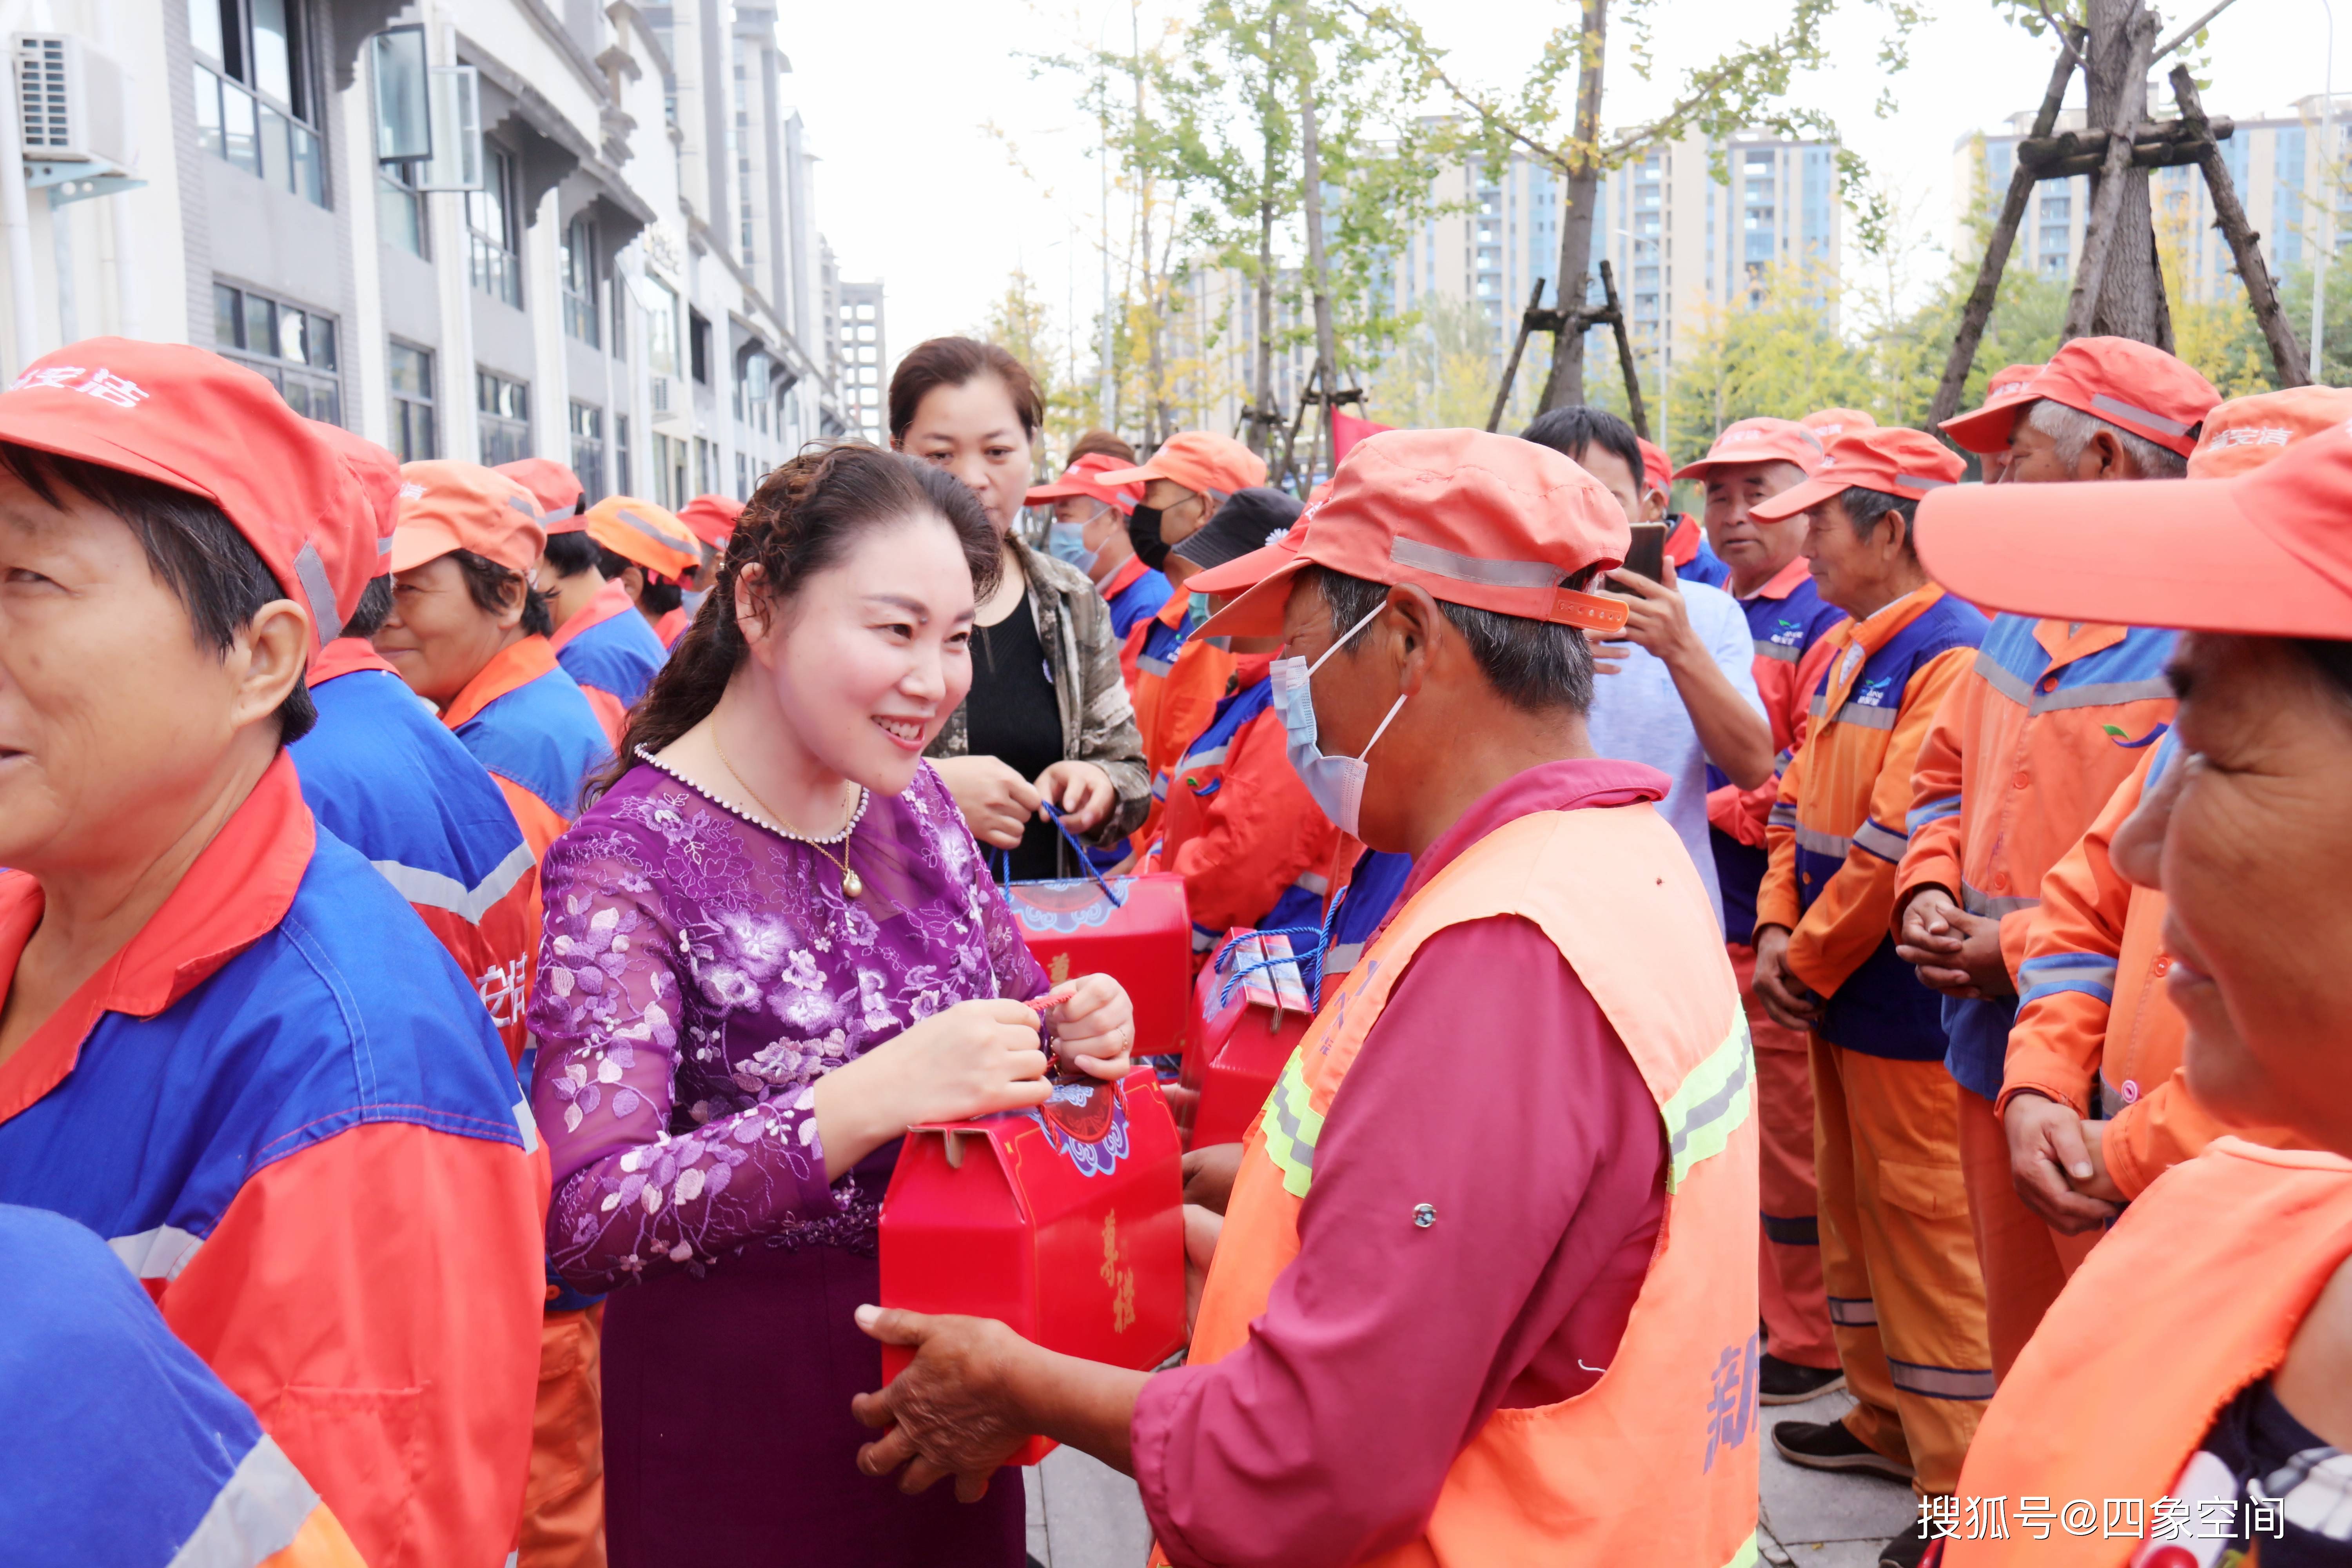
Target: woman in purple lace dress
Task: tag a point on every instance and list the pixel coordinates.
(770, 947)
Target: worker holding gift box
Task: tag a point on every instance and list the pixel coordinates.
(1448, 1319)
(772, 946)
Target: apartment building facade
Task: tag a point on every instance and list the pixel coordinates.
(863, 349)
(628, 283)
(2279, 163)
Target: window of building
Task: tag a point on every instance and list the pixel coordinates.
(412, 403)
(579, 263)
(503, 413)
(661, 327)
(621, 454)
(698, 343)
(706, 467)
(254, 98)
(400, 207)
(669, 471)
(588, 448)
(743, 476)
(492, 228)
(293, 347)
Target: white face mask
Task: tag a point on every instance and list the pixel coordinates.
(1336, 783)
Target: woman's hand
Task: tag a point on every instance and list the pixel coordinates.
(973, 1058)
(1956, 953)
(1082, 792)
(1092, 1023)
(1209, 1175)
(996, 801)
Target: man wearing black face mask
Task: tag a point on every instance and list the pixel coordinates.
(1178, 681)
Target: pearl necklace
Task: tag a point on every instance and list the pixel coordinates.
(853, 886)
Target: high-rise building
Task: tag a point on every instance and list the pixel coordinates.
(1681, 239)
(2278, 164)
(629, 286)
(864, 359)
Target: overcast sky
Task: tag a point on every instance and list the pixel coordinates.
(917, 190)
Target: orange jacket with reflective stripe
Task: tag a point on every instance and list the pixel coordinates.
(2030, 744)
(1180, 679)
(1836, 834)
(1788, 622)
(2093, 1007)
(1656, 1463)
(2183, 1304)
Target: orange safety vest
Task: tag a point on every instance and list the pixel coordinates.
(1655, 1463)
(2182, 1306)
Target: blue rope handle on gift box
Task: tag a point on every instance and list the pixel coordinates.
(1005, 862)
(1309, 960)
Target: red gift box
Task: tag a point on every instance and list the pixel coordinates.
(1250, 1019)
(1066, 1222)
(1137, 930)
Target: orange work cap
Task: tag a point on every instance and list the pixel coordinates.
(2244, 433)
(2267, 552)
(639, 531)
(377, 473)
(1487, 520)
(556, 489)
(1762, 439)
(1828, 423)
(711, 519)
(1197, 459)
(447, 506)
(2133, 386)
(188, 418)
(1082, 477)
(1896, 461)
(2011, 378)
(1657, 469)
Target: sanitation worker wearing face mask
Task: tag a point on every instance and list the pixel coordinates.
(1497, 1303)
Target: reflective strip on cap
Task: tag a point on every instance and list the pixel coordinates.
(1708, 1105)
(1292, 1127)
(1920, 481)
(312, 573)
(1486, 574)
(525, 508)
(2102, 403)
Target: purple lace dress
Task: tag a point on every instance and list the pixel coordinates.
(697, 973)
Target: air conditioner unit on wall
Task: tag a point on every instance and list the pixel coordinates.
(69, 98)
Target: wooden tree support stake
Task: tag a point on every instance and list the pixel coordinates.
(2229, 217)
(2106, 207)
(1978, 310)
(1518, 347)
(1616, 318)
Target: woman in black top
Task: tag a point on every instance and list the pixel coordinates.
(1048, 718)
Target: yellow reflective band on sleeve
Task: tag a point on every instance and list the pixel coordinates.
(1292, 1126)
(1710, 1104)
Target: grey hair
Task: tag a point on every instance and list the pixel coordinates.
(1866, 509)
(1535, 665)
(2071, 429)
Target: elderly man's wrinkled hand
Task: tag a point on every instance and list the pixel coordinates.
(947, 1414)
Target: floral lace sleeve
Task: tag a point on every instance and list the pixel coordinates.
(631, 1199)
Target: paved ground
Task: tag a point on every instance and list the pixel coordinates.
(1083, 1514)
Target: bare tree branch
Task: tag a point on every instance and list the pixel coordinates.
(2191, 30)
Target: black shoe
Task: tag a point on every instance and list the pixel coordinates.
(1831, 1445)
(1781, 1381)
(1906, 1549)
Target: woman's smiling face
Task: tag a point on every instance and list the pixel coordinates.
(2247, 835)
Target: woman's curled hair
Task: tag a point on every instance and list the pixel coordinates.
(806, 516)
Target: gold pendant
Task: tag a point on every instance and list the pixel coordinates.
(853, 886)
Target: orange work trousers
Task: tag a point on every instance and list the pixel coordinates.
(2024, 1262)
(1906, 1298)
(1794, 1306)
(563, 1501)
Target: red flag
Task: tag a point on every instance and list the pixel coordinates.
(1347, 430)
